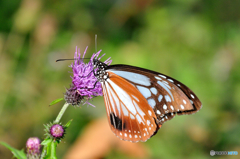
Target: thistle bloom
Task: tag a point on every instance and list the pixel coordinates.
(84, 83)
(57, 131)
(33, 146)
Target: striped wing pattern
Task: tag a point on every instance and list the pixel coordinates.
(128, 119)
(138, 101)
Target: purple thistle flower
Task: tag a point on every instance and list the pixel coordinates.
(84, 83)
(33, 146)
(57, 131)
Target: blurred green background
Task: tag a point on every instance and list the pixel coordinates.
(194, 41)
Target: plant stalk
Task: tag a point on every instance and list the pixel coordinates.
(60, 114)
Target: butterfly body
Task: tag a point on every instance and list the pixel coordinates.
(138, 101)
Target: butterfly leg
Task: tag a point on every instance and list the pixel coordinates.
(92, 87)
(88, 74)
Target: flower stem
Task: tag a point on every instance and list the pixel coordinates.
(60, 114)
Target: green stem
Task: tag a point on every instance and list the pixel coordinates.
(50, 150)
(60, 114)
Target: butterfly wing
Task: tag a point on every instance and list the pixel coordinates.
(127, 117)
(165, 95)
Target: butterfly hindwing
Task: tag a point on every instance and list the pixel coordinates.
(129, 114)
(166, 96)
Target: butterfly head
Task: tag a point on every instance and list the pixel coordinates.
(101, 67)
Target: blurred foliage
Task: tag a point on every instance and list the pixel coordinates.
(194, 41)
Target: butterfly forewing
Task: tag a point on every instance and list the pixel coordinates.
(129, 114)
(165, 95)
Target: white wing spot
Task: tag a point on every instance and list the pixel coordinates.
(166, 117)
(134, 77)
(149, 112)
(182, 107)
(164, 106)
(125, 134)
(151, 102)
(166, 87)
(135, 98)
(153, 90)
(168, 99)
(132, 117)
(139, 119)
(145, 129)
(139, 132)
(162, 76)
(171, 114)
(145, 91)
(192, 96)
(130, 135)
(158, 78)
(184, 101)
(151, 125)
(136, 136)
(162, 119)
(178, 85)
(129, 131)
(160, 98)
(149, 128)
(171, 107)
(125, 111)
(166, 83)
(148, 122)
(191, 101)
(170, 80)
(144, 134)
(139, 136)
(120, 133)
(158, 112)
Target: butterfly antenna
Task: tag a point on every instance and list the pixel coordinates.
(64, 60)
(96, 43)
(71, 59)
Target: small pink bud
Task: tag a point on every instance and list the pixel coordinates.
(33, 146)
(57, 131)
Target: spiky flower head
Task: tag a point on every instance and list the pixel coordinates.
(57, 131)
(84, 84)
(33, 146)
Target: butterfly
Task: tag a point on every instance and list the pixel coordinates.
(138, 101)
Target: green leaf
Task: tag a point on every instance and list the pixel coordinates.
(16, 153)
(68, 123)
(56, 101)
(50, 148)
(46, 142)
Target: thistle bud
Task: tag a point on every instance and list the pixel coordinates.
(57, 131)
(33, 146)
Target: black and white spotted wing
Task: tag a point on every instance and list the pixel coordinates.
(139, 101)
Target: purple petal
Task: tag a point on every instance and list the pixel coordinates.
(83, 79)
